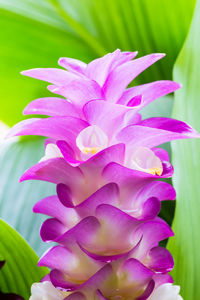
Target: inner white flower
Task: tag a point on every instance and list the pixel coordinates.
(91, 140)
(166, 291)
(45, 290)
(143, 159)
(51, 151)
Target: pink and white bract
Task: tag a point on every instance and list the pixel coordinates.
(105, 162)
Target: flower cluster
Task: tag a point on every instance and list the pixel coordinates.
(106, 164)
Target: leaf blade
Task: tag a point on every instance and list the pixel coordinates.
(20, 269)
(17, 199)
(185, 245)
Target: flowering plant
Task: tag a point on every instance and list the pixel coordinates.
(97, 164)
(103, 158)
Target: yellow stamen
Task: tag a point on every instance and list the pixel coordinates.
(87, 150)
(155, 171)
(94, 150)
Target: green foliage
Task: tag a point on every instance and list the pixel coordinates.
(26, 44)
(17, 199)
(186, 160)
(20, 269)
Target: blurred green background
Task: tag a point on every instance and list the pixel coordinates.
(35, 33)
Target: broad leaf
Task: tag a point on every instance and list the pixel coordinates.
(186, 159)
(25, 44)
(17, 199)
(20, 269)
(143, 25)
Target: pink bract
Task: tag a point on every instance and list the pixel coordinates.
(105, 162)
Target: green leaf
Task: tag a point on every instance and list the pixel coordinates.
(161, 107)
(20, 269)
(186, 159)
(143, 25)
(17, 199)
(37, 32)
(25, 44)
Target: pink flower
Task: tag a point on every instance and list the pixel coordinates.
(81, 127)
(105, 162)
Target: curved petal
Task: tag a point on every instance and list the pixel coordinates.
(78, 91)
(147, 291)
(100, 296)
(100, 68)
(57, 171)
(97, 161)
(162, 278)
(159, 189)
(135, 101)
(101, 159)
(161, 153)
(75, 296)
(121, 76)
(149, 91)
(131, 117)
(99, 279)
(59, 280)
(160, 260)
(51, 106)
(144, 201)
(131, 181)
(105, 258)
(68, 153)
(60, 128)
(51, 206)
(147, 136)
(58, 257)
(153, 232)
(136, 271)
(116, 233)
(73, 65)
(65, 195)
(98, 112)
(108, 194)
(83, 233)
(125, 176)
(51, 229)
(70, 265)
(150, 209)
(89, 286)
(53, 75)
(171, 125)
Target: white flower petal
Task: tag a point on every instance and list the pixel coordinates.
(45, 291)
(51, 151)
(166, 291)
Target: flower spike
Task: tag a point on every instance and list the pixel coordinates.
(107, 168)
